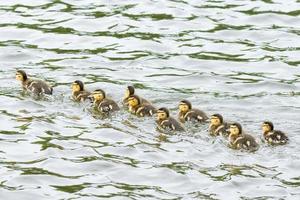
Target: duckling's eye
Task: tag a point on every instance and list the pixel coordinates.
(216, 120)
(161, 114)
(133, 100)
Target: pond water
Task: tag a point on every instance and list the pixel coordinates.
(237, 58)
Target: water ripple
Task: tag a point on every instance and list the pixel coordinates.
(237, 58)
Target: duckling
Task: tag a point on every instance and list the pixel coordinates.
(129, 92)
(166, 122)
(187, 113)
(136, 107)
(102, 103)
(37, 87)
(78, 91)
(218, 126)
(273, 136)
(239, 140)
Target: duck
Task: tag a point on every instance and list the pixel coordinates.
(37, 87)
(272, 136)
(131, 91)
(136, 107)
(187, 113)
(239, 140)
(217, 126)
(103, 104)
(78, 91)
(167, 123)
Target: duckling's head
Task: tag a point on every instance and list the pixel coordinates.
(134, 101)
(77, 86)
(21, 75)
(216, 120)
(267, 126)
(98, 95)
(185, 106)
(235, 129)
(162, 113)
(129, 91)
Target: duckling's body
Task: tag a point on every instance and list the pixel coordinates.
(239, 140)
(102, 103)
(244, 141)
(272, 136)
(37, 87)
(136, 107)
(170, 124)
(78, 91)
(130, 92)
(80, 95)
(145, 110)
(218, 126)
(166, 122)
(187, 113)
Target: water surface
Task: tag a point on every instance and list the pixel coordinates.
(238, 58)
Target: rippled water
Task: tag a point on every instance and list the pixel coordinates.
(238, 58)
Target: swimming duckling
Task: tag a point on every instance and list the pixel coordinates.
(239, 140)
(103, 104)
(37, 87)
(136, 107)
(78, 91)
(129, 92)
(218, 126)
(273, 136)
(187, 113)
(166, 122)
